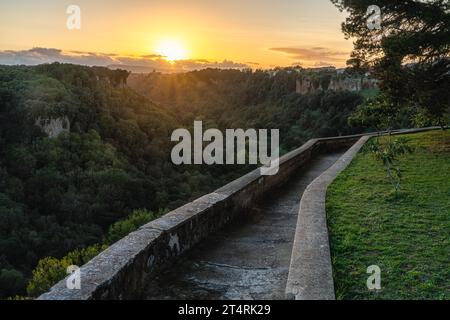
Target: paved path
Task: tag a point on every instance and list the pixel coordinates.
(248, 259)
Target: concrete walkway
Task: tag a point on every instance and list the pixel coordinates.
(249, 259)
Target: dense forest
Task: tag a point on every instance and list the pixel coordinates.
(68, 192)
(252, 99)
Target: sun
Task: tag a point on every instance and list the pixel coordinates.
(171, 50)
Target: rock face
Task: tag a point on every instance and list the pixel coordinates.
(307, 85)
(54, 127)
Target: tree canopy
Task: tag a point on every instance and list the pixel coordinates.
(409, 53)
(70, 193)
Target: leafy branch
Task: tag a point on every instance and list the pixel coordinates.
(389, 153)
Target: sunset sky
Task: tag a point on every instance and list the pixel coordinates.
(232, 33)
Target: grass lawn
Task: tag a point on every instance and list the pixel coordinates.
(407, 234)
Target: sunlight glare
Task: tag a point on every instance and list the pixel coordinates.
(172, 50)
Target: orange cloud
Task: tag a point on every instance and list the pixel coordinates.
(316, 56)
(144, 63)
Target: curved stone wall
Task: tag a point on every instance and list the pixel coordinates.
(124, 269)
(310, 273)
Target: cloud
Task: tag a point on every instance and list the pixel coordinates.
(47, 55)
(151, 56)
(316, 56)
(161, 65)
(143, 63)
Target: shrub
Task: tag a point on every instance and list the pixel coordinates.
(137, 219)
(51, 270)
(11, 281)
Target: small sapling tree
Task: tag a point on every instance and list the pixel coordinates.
(388, 152)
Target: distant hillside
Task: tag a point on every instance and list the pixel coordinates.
(251, 99)
(82, 147)
(79, 150)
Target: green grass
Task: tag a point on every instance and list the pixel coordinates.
(407, 234)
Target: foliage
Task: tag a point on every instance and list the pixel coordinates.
(235, 99)
(388, 152)
(51, 270)
(122, 228)
(409, 53)
(11, 281)
(380, 114)
(63, 194)
(406, 234)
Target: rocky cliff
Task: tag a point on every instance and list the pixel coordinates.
(308, 84)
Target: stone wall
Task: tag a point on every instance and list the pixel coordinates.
(310, 272)
(123, 270)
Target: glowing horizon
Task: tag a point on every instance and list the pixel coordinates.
(258, 34)
(172, 50)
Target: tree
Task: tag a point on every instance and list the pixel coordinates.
(50, 270)
(63, 193)
(410, 53)
(388, 153)
(11, 282)
(379, 114)
(122, 228)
